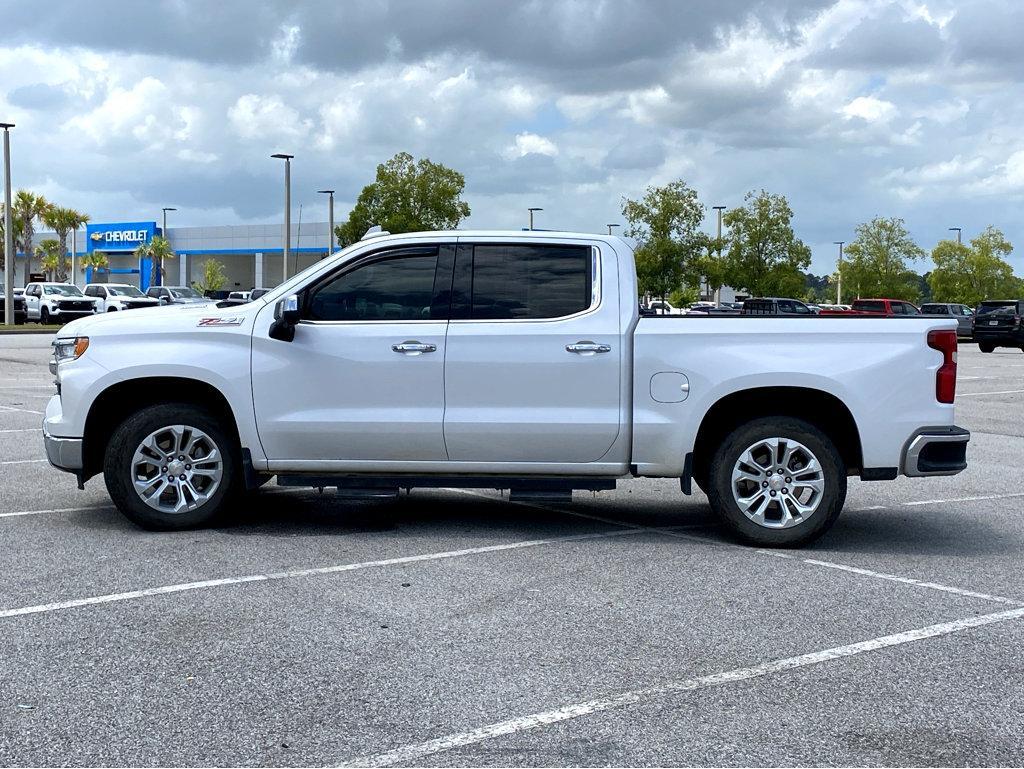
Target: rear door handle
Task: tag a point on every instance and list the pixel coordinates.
(587, 348)
(413, 348)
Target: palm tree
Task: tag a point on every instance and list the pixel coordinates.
(63, 220)
(55, 262)
(27, 208)
(97, 260)
(158, 249)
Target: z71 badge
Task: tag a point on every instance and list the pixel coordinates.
(236, 321)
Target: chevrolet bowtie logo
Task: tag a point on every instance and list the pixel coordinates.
(97, 236)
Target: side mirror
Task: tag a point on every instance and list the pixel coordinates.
(286, 317)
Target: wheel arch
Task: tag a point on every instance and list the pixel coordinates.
(121, 399)
(821, 409)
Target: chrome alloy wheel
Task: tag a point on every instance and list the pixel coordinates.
(177, 468)
(777, 483)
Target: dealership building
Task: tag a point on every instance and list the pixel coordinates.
(252, 254)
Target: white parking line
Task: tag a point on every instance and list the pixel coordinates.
(25, 386)
(21, 461)
(26, 411)
(20, 513)
(994, 392)
(412, 754)
(24, 430)
(960, 499)
(296, 573)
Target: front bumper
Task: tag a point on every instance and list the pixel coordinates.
(936, 451)
(64, 453)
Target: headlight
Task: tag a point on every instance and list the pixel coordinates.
(70, 349)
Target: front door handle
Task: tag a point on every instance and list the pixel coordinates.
(587, 348)
(413, 348)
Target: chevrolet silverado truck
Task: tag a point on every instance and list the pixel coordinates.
(500, 360)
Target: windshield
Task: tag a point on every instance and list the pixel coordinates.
(183, 292)
(124, 291)
(62, 290)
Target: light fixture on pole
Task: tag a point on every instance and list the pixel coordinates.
(164, 234)
(718, 243)
(839, 272)
(531, 210)
(957, 230)
(330, 218)
(8, 230)
(610, 227)
(287, 210)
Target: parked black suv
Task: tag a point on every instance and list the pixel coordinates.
(771, 305)
(997, 323)
(20, 307)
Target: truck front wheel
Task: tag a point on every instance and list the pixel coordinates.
(986, 346)
(171, 467)
(777, 482)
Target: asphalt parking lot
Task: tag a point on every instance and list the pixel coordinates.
(449, 629)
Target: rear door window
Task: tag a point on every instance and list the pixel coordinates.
(527, 282)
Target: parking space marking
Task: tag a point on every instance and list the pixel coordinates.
(20, 513)
(894, 578)
(24, 430)
(26, 411)
(25, 386)
(413, 753)
(994, 392)
(313, 572)
(961, 499)
(21, 461)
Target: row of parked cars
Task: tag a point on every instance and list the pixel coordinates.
(993, 323)
(62, 302)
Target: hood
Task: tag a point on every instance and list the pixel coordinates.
(155, 320)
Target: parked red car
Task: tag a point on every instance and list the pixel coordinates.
(887, 307)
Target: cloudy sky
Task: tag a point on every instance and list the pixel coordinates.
(851, 108)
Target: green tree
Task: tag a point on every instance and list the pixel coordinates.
(407, 196)
(214, 277)
(664, 224)
(876, 262)
(158, 249)
(765, 257)
(27, 208)
(969, 274)
(54, 260)
(62, 221)
(710, 267)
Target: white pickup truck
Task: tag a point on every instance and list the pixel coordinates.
(504, 360)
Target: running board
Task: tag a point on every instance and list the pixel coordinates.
(520, 488)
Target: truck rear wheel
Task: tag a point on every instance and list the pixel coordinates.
(171, 467)
(986, 346)
(777, 482)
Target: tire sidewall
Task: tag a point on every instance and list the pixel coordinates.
(117, 466)
(833, 471)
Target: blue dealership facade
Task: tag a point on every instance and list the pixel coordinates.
(251, 254)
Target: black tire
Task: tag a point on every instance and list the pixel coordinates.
(119, 473)
(832, 496)
(111, 309)
(986, 346)
(44, 316)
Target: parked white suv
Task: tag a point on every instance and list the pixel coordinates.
(501, 360)
(57, 302)
(111, 297)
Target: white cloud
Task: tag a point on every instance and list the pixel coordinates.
(268, 116)
(531, 144)
(870, 109)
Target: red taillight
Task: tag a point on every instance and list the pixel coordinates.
(945, 377)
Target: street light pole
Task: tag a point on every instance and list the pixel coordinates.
(531, 210)
(718, 243)
(287, 210)
(610, 227)
(330, 217)
(8, 230)
(164, 234)
(839, 271)
(958, 232)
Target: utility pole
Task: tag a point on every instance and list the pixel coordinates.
(839, 272)
(8, 230)
(287, 210)
(958, 232)
(167, 237)
(718, 243)
(330, 216)
(531, 210)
